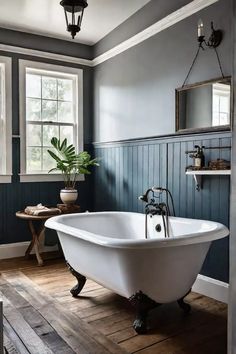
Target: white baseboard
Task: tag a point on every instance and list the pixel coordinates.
(210, 287)
(14, 250)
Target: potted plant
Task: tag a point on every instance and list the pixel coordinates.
(70, 164)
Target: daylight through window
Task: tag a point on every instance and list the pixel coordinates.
(51, 106)
(220, 104)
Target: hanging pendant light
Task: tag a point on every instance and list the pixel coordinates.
(74, 10)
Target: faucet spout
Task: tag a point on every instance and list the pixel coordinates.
(144, 197)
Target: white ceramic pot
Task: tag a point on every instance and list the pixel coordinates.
(69, 196)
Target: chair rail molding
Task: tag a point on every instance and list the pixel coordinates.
(166, 22)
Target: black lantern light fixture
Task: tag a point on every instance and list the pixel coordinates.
(74, 10)
(214, 39)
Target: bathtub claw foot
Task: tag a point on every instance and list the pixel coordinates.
(183, 305)
(142, 304)
(140, 326)
(81, 281)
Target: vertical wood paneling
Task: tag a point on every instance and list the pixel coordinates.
(128, 169)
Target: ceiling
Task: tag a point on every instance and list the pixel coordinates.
(46, 17)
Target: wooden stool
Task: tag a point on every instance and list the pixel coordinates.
(36, 236)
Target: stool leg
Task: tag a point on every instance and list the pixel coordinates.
(36, 242)
(29, 249)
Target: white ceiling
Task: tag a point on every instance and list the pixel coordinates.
(46, 17)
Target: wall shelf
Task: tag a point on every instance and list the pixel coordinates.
(197, 175)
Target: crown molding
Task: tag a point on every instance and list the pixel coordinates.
(45, 55)
(166, 22)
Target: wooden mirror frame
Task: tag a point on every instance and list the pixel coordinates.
(205, 129)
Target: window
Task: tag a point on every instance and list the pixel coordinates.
(5, 120)
(220, 104)
(51, 105)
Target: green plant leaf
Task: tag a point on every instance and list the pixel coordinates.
(69, 162)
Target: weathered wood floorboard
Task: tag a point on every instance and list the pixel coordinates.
(42, 317)
(79, 335)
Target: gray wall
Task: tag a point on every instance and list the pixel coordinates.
(134, 92)
(153, 11)
(16, 196)
(47, 44)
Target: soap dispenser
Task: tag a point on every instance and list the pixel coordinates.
(199, 158)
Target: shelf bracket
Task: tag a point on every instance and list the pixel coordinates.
(198, 182)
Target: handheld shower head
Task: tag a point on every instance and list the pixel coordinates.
(143, 198)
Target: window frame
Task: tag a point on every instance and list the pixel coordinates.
(6, 177)
(220, 92)
(49, 69)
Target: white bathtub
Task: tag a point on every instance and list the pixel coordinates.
(110, 248)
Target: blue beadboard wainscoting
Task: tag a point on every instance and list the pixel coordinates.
(128, 168)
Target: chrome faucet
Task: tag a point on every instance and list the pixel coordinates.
(160, 208)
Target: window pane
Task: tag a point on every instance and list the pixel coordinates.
(215, 119)
(49, 110)
(49, 88)
(67, 133)
(49, 131)
(33, 159)
(65, 90)
(216, 103)
(33, 135)
(224, 104)
(65, 112)
(224, 119)
(48, 161)
(33, 109)
(33, 85)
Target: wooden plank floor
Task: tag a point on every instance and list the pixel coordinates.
(40, 316)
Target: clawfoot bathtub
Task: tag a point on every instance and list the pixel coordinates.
(111, 249)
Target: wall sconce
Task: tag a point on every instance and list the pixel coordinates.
(213, 42)
(214, 39)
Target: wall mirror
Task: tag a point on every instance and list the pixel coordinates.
(204, 106)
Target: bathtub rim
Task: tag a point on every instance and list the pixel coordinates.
(54, 223)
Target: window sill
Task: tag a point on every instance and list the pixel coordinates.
(5, 178)
(45, 178)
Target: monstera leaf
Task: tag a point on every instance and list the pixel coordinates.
(69, 162)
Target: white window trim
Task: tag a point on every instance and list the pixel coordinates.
(7, 176)
(23, 65)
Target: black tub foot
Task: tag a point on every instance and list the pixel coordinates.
(142, 304)
(183, 305)
(81, 281)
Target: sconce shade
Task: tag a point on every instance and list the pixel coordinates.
(200, 29)
(74, 10)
